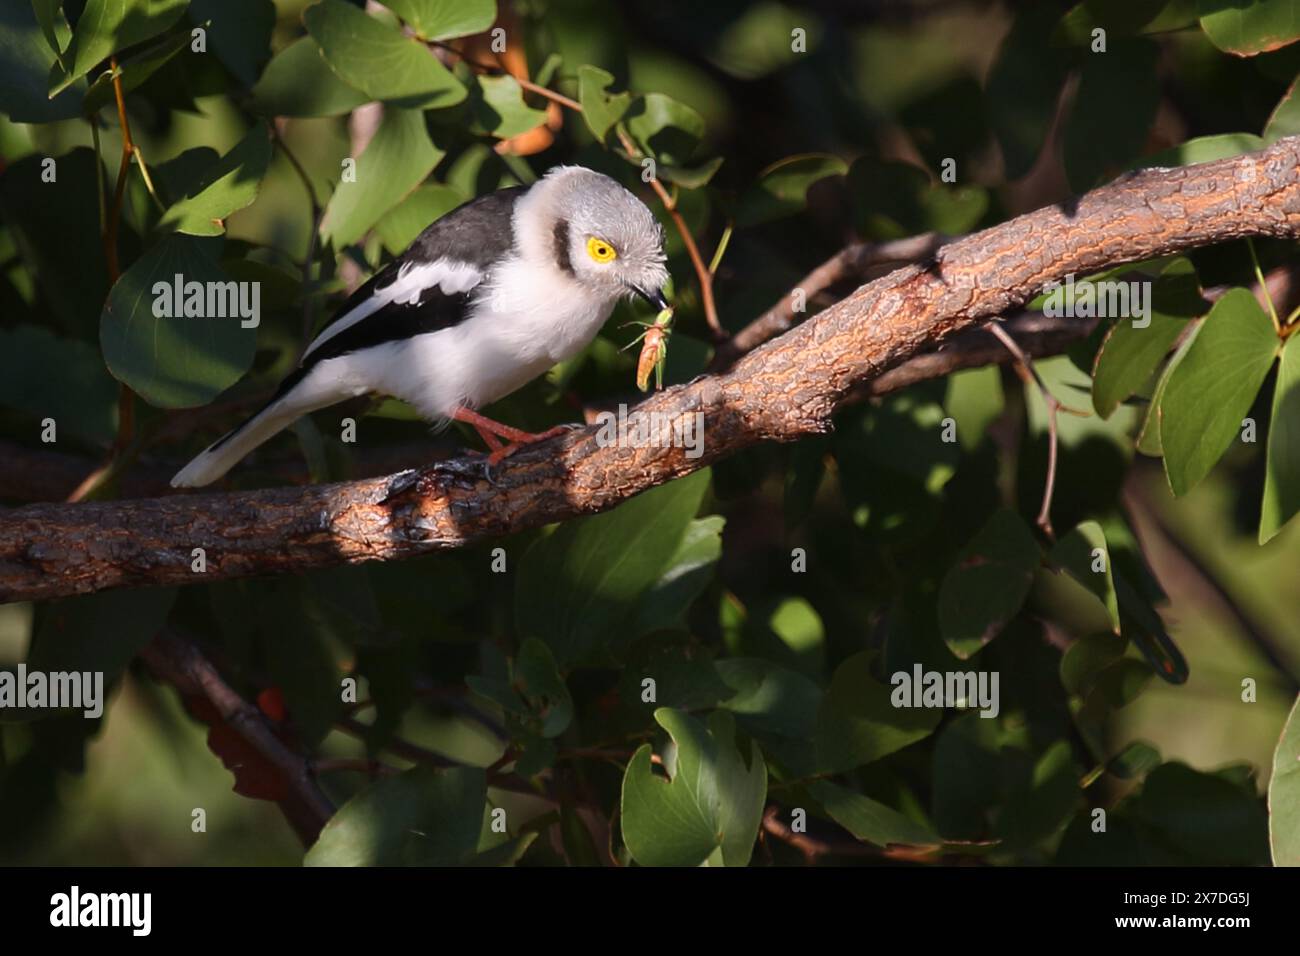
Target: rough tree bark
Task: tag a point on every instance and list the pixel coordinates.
(787, 388)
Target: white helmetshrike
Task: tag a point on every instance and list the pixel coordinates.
(486, 299)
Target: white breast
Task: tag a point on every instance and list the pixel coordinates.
(523, 321)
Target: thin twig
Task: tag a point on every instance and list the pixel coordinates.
(375, 768)
(317, 214)
(125, 397)
(853, 262)
(1029, 375)
(702, 272)
(148, 180)
(814, 847)
(1259, 277)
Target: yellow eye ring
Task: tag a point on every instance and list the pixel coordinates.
(600, 250)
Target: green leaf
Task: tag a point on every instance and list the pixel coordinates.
(26, 63)
(1204, 149)
(1043, 802)
(798, 626)
(1023, 88)
(176, 362)
(239, 33)
(684, 676)
(428, 816)
(710, 808)
(782, 188)
(395, 161)
(505, 853)
(378, 59)
(1077, 555)
(1247, 29)
(1100, 139)
(1204, 816)
(975, 400)
(578, 586)
(1284, 794)
(1285, 119)
(133, 71)
(63, 379)
(538, 681)
(858, 721)
(1130, 353)
(1117, 17)
(498, 108)
(1143, 625)
(690, 177)
(298, 82)
(71, 635)
(664, 128)
(1085, 659)
(58, 229)
(985, 589)
(49, 14)
(1148, 439)
(969, 767)
(769, 700)
(687, 573)
(1135, 760)
(760, 40)
(107, 26)
(229, 186)
(405, 221)
(600, 109)
(1212, 388)
(445, 19)
(1282, 472)
(892, 200)
(868, 820)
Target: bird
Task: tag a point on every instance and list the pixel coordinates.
(483, 301)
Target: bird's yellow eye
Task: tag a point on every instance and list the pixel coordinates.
(600, 250)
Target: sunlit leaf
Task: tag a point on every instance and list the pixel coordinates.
(1212, 388)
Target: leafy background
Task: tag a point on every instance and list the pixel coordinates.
(523, 691)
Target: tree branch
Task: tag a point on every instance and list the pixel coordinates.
(180, 662)
(789, 387)
(854, 261)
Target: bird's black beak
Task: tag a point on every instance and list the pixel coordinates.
(655, 298)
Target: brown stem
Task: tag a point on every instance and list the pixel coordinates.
(125, 397)
(1029, 375)
(702, 273)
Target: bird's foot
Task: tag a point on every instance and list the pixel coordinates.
(520, 439)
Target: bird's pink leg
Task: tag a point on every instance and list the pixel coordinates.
(489, 429)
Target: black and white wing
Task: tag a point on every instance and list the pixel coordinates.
(428, 287)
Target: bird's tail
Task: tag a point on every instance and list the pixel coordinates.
(227, 451)
(299, 394)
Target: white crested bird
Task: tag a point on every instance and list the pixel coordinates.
(486, 299)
